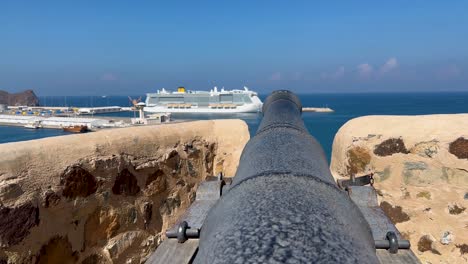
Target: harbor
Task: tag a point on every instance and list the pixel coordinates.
(72, 119)
(61, 122)
(157, 108)
(64, 110)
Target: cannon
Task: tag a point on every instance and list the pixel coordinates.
(283, 206)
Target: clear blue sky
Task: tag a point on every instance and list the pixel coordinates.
(132, 47)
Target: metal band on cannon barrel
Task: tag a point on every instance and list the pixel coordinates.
(283, 205)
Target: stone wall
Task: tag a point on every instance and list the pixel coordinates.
(420, 164)
(107, 196)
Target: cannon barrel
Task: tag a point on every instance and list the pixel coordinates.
(283, 204)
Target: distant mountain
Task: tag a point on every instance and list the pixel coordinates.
(27, 97)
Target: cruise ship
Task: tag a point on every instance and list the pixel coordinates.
(214, 101)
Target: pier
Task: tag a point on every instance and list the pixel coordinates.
(100, 110)
(92, 123)
(38, 110)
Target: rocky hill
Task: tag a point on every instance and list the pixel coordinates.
(420, 166)
(27, 97)
(107, 196)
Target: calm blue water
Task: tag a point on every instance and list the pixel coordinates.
(322, 126)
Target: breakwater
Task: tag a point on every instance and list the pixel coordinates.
(317, 109)
(60, 122)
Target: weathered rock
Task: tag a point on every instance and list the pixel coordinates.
(170, 204)
(463, 248)
(10, 191)
(192, 150)
(426, 149)
(395, 213)
(126, 184)
(132, 215)
(415, 165)
(447, 238)
(50, 199)
(358, 160)
(173, 162)
(424, 194)
(412, 173)
(23, 98)
(420, 174)
(459, 148)
(191, 169)
(436, 248)
(380, 176)
(92, 188)
(425, 243)
(455, 176)
(209, 158)
(77, 182)
(147, 213)
(119, 244)
(156, 183)
(390, 146)
(57, 250)
(455, 209)
(16, 222)
(157, 175)
(100, 226)
(94, 259)
(405, 193)
(150, 244)
(415, 169)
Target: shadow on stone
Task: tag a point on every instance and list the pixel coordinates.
(78, 182)
(154, 176)
(125, 184)
(94, 259)
(57, 250)
(173, 161)
(16, 222)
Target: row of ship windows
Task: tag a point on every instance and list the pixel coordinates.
(199, 101)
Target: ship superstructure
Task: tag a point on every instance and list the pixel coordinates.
(213, 101)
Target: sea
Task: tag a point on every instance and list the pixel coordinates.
(323, 126)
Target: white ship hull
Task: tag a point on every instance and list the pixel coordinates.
(194, 109)
(214, 101)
